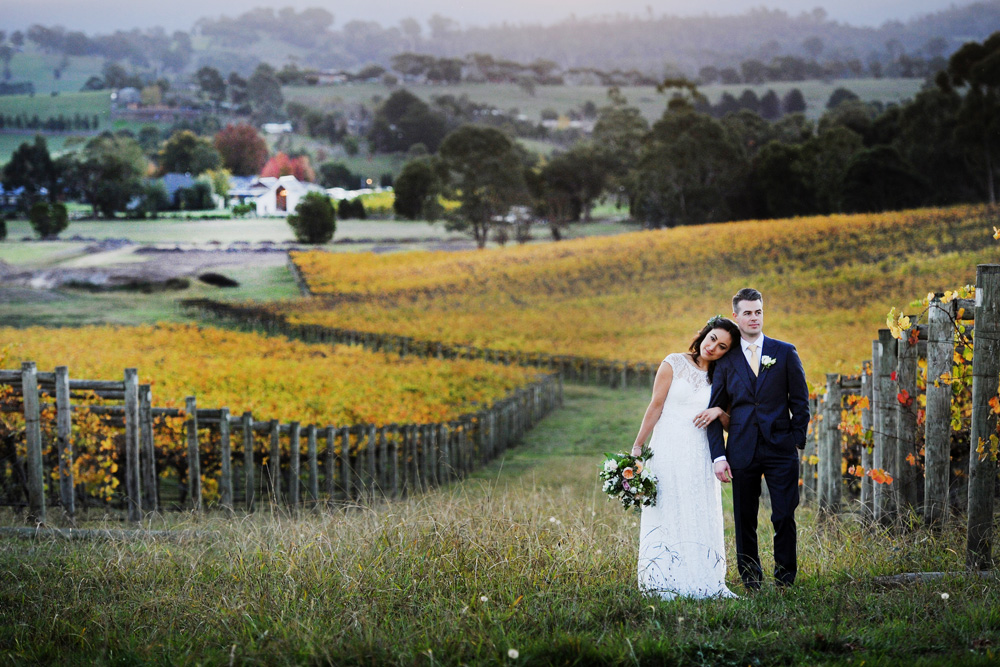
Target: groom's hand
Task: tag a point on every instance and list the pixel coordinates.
(723, 472)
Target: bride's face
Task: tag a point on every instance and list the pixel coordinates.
(716, 344)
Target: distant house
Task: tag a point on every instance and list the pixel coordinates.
(126, 97)
(277, 128)
(173, 182)
(272, 196)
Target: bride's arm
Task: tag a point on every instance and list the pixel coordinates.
(707, 416)
(661, 385)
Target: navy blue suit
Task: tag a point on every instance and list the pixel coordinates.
(768, 419)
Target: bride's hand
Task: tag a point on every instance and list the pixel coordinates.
(706, 417)
(636, 450)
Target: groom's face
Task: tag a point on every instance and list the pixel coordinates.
(749, 317)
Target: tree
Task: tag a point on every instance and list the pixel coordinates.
(48, 219)
(187, 153)
(793, 101)
(483, 171)
(879, 179)
(314, 220)
(618, 135)
(108, 172)
(31, 167)
(571, 182)
(770, 105)
(283, 165)
(404, 120)
(211, 84)
(688, 168)
(337, 175)
(264, 92)
(826, 158)
(839, 96)
(416, 190)
(976, 67)
(781, 181)
(243, 150)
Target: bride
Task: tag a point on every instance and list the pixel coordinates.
(681, 548)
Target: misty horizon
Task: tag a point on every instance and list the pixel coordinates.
(105, 16)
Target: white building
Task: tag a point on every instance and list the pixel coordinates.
(273, 196)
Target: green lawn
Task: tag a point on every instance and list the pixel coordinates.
(37, 66)
(565, 98)
(525, 554)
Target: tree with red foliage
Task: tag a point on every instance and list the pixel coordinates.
(243, 150)
(282, 165)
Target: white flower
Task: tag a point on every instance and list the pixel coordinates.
(610, 465)
(645, 473)
(552, 519)
(766, 361)
(512, 653)
(483, 598)
(945, 596)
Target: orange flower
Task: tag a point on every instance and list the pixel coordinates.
(628, 473)
(638, 466)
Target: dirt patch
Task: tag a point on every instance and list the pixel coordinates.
(147, 268)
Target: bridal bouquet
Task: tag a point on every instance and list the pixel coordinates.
(626, 478)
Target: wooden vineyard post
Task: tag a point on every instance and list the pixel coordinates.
(867, 505)
(225, 461)
(370, 452)
(905, 482)
(33, 437)
(133, 485)
(147, 451)
(274, 463)
(822, 492)
(394, 454)
(294, 462)
(345, 463)
(248, 464)
(808, 468)
(982, 455)
(330, 465)
(885, 425)
(312, 456)
(830, 458)
(193, 455)
(64, 430)
(937, 424)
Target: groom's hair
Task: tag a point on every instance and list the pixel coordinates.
(747, 294)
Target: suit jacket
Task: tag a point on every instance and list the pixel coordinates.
(775, 404)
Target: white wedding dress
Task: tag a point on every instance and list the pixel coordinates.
(681, 546)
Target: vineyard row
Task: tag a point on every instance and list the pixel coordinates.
(572, 368)
(906, 470)
(355, 463)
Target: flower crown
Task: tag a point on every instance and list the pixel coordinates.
(714, 319)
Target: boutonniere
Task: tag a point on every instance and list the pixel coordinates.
(766, 361)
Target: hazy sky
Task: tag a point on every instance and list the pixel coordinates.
(108, 15)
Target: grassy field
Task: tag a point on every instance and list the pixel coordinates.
(566, 98)
(36, 66)
(525, 555)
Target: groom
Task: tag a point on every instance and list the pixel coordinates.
(764, 387)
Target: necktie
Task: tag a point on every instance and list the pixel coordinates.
(754, 362)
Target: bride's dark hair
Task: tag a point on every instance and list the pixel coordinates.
(717, 322)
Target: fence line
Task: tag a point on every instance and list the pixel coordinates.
(612, 373)
(889, 381)
(360, 462)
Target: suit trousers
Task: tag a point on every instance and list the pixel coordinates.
(780, 470)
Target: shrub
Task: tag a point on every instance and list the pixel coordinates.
(348, 209)
(314, 220)
(48, 219)
(3, 228)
